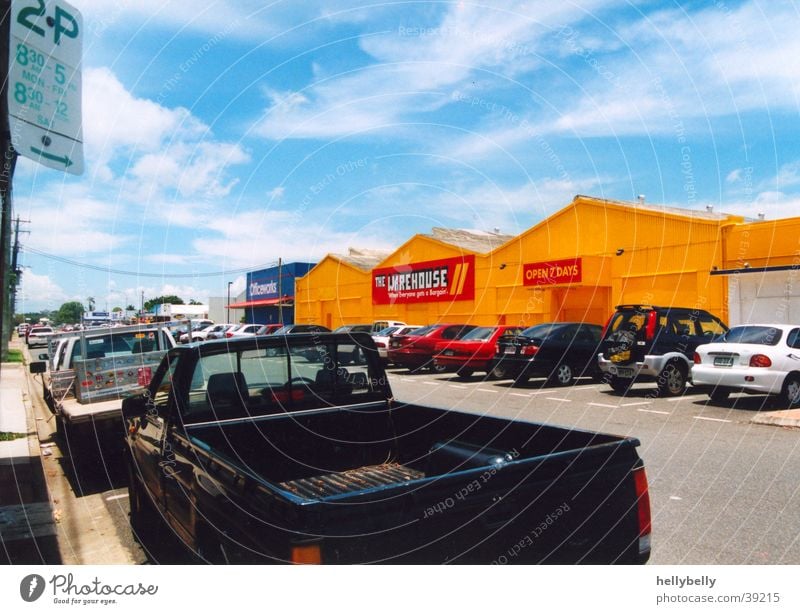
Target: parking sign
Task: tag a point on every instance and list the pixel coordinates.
(44, 84)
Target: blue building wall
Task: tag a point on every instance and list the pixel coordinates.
(264, 284)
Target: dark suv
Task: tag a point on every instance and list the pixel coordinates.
(648, 343)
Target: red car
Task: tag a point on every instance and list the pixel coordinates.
(415, 350)
(473, 352)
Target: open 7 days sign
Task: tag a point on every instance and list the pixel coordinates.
(44, 83)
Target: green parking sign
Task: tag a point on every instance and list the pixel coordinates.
(44, 86)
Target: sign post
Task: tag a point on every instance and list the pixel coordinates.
(40, 107)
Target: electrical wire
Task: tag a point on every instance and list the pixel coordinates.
(103, 269)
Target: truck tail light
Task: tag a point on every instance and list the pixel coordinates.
(380, 344)
(697, 360)
(528, 350)
(229, 335)
(306, 554)
(760, 360)
(642, 508)
(650, 328)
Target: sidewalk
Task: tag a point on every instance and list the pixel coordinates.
(27, 529)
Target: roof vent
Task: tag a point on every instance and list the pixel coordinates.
(761, 215)
(710, 208)
(640, 198)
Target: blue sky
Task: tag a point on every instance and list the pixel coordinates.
(220, 136)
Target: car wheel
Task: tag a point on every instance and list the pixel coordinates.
(438, 368)
(562, 375)
(465, 373)
(790, 394)
(719, 394)
(672, 380)
(619, 385)
(499, 372)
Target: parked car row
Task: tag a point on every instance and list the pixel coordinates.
(670, 346)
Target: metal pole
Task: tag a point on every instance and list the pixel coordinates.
(280, 291)
(6, 176)
(228, 304)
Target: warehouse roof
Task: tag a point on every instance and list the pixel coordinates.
(700, 214)
(479, 241)
(364, 259)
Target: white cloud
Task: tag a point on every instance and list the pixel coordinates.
(414, 67)
(39, 292)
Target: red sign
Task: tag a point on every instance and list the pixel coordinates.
(568, 271)
(450, 279)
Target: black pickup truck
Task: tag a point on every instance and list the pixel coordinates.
(292, 449)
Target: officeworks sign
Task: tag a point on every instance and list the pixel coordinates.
(449, 279)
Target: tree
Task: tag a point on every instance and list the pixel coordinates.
(130, 308)
(69, 313)
(194, 302)
(169, 298)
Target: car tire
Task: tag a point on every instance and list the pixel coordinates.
(437, 368)
(619, 385)
(672, 380)
(790, 393)
(499, 372)
(465, 373)
(562, 375)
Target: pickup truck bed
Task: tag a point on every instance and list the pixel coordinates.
(432, 497)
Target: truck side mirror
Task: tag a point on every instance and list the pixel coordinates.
(135, 406)
(44, 356)
(38, 367)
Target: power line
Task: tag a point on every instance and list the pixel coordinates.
(103, 269)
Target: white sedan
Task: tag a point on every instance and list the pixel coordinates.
(755, 358)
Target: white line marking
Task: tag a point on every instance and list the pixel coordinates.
(430, 383)
(557, 399)
(655, 411)
(711, 419)
(675, 399)
(636, 403)
(457, 386)
(517, 394)
(115, 497)
(603, 405)
(674, 498)
(487, 390)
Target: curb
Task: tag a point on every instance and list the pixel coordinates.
(787, 418)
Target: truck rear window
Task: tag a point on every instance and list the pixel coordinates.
(291, 377)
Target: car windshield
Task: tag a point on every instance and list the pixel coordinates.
(482, 333)
(756, 335)
(540, 331)
(421, 332)
(386, 331)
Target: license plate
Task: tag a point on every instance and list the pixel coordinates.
(448, 353)
(510, 350)
(622, 371)
(723, 361)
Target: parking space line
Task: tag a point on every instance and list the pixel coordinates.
(675, 399)
(603, 405)
(517, 394)
(487, 390)
(655, 411)
(115, 497)
(635, 403)
(557, 399)
(711, 419)
(457, 386)
(431, 383)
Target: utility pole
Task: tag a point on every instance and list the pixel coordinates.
(9, 162)
(280, 291)
(14, 257)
